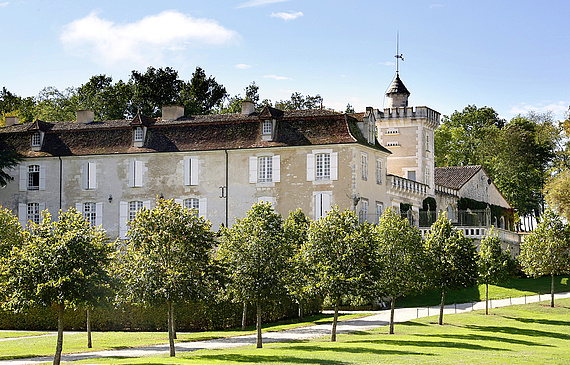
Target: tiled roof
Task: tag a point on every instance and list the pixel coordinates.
(456, 176)
(397, 87)
(201, 132)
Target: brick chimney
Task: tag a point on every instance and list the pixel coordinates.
(247, 107)
(85, 116)
(10, 121)
(172, 112)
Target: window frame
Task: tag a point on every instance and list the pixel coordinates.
(33, 177)
(322, 166)
(267, 127)
(364, 166)
(35, 215)
(132, 212)
(90, 213)
(265, 169)
(379, 170)
(138, 134)
(36, 140)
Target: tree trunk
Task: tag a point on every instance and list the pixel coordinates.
(59, 346)
(441, 307)
(486, 299)
(243, 316)
(170, 334)
(258, 325)
(173, 323)
(552, 291)
(88, 320)
(301, 311)
(335, 319)
(392, 308)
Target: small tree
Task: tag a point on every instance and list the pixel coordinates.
(337, 250)
(452, 259)
(493, 263)
(546, 250)
(62, 263)
(398, 259)
(255, 255)
(11, 234)
(295, 229)
(167, 257)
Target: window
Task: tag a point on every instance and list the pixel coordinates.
(134, 207)
(322, 201)
(267, 127)
(363, 214)
(36, 140)
(322, 165)
(378, 170)
(90, 213)
(199, 204)
(191, 170)
(392, 131)
(33, 213)
(139, 134)
(34, 177)
(393, 144)
(264, 169)
(412, 175)
(89, 175)
(427, 176)
(192, 203)
(379, 211)
(364, 166)
(427, 142)
(127, 212)
(136, 174)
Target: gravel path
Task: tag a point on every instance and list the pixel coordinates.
(378, 319)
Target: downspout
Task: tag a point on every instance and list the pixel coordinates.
(60, 180)
(226, 194)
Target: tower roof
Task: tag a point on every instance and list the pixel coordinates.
(397, 87)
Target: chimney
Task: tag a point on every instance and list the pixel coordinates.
(85, 116)
(172, 112)
(10, 121)
(247, 107)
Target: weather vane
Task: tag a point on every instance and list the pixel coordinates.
(399, 56)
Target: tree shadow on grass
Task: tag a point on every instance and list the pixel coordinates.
(355, 350)
(540, 321)
(259, 358)
(478, 337)
(519, 331)
(426, 344)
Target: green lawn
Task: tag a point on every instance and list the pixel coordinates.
(514, 288)
(525, 334)
(9, 334)
(77, 341)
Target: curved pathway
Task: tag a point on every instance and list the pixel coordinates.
(377, 319)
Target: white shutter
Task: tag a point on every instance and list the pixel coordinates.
(202, 207)
(187, 170)
(123, 214)
(23, 214)
(42, 177)
(42, 208)
(334, 166)
(194, 171)
(132, 174)
(146, 204)
(92, 167)
(326, 203)
(99, 214)
(318, 205)
(85, 172)
(322, 203)
(252, 169)
(23, 178)
(79, 207)
(139, 174)
(179, 201)
(277, 168)
(310, 167)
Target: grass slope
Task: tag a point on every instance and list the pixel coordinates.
(525, 334)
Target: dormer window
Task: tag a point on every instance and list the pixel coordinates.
(267, 127)
(36, 140)
(139, 134)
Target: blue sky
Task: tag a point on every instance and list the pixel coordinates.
(510, 55)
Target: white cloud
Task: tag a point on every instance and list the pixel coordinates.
(276, 77)
(254, 3)
(435, 6)
(287, 16)
(557, 108)
(144, 41)
(243, 66)
(2, 5)
(387, 63)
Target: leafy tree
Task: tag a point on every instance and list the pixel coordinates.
(255, 254)
(63, 263)
(557, 192)
(167, 257)
(451, 259)
(11, 234)
(338, 249)
(234, 103)
(494, 264)
(53, 105)
(14, 105)
(398, 259)
(8, 160)
(295, 231)
(201, 94)
(153, 89)
(300, 102)
(546, 250)
(108, 101)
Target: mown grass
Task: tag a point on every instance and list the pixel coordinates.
(512, 289)
(11, 334)
(74, 342)
(524, 334)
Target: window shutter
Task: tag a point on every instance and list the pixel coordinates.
(42, 208)
(85, 172)
(92, 184)
(42, 177)
(334, 166)
(326, 201)
(194, 171)
(79, 207)
(123, 213)
(252, 169)
(318, 205)
(277, 168)
(310, 167)
(139, 174)
(202, 207)
(23, 178)
(146, 204)
(99, 214)
(187, 170)
(23, 214)
(132, 174)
